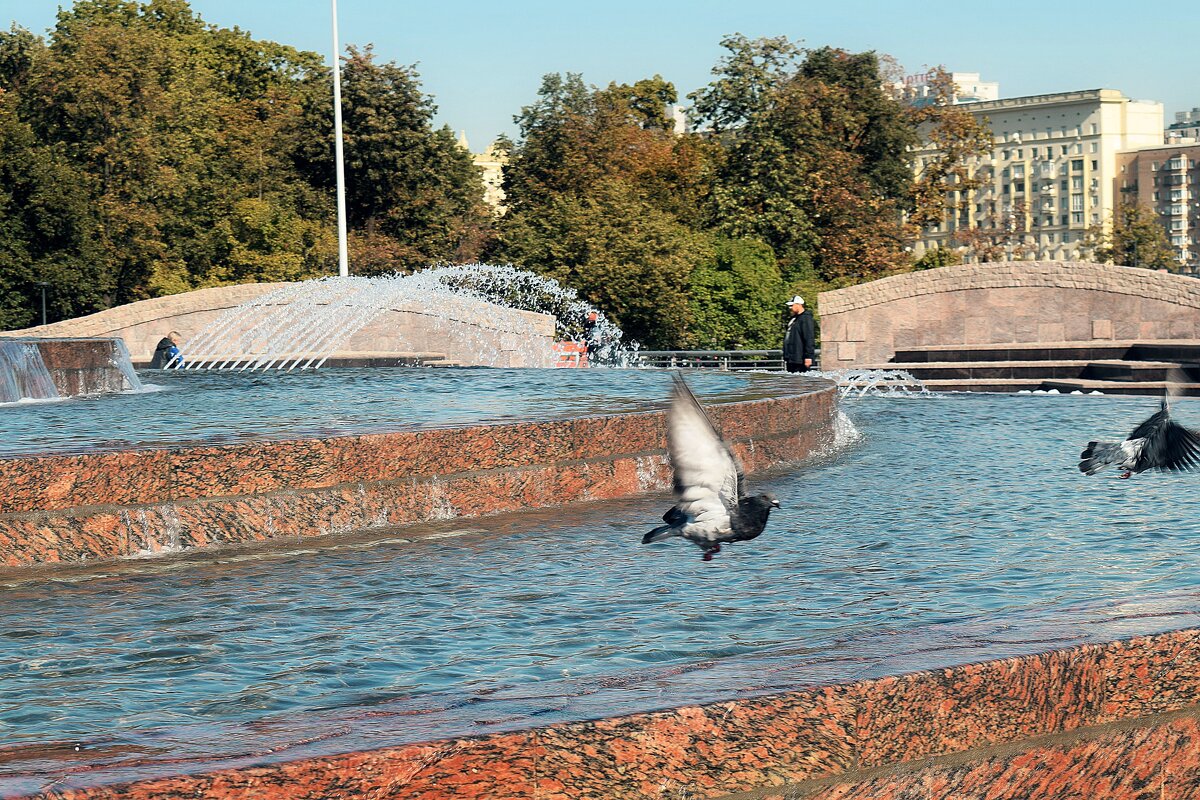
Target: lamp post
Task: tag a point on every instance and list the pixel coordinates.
(44, 286)
(343, 255)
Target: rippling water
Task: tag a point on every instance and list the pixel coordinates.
(954, 513)
(185, 406)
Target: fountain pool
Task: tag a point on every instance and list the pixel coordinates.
(201, 407)
(957, 529)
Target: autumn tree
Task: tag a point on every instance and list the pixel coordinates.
(1133, 237)
(815, 158)
(604, 197)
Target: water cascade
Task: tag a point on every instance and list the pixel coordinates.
(23, 374)
(302, 325)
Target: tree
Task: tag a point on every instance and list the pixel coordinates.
(404, 180)
(734, 297)
(1133, 237)
(959, 138)
(48, 232)
(815, 158)
(619, 252)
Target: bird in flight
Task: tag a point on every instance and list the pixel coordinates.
(711, 505)
(1157, 443)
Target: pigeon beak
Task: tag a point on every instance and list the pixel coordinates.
(775, 503)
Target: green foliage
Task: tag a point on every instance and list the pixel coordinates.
(735, 297)
(48, 232)
(938, 257)
(1133, 237)
(405, 181)
(619, 252)
(183, 155)
(816, 161)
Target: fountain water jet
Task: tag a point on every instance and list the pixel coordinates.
(302, 325)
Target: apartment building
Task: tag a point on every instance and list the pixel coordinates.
(1185, 126)
(1050, 174)
(1167, 179)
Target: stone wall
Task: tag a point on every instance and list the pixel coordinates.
(1005, 303)
(73, 508)
(465, 332)
(63, 368)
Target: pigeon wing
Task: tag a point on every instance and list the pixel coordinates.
(1171, 447)
(708, 477)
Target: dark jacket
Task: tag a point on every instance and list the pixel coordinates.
(164, 353)
(800, 342)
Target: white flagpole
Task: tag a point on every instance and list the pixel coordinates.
(343, 253)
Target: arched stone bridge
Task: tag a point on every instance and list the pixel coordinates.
(1005, 303)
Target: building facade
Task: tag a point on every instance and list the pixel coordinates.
(968, 88)
(1050, 174)
(1167, 179)
(1185, 126)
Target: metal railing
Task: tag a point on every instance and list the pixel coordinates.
(728, 360)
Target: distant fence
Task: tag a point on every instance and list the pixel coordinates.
(728, 360)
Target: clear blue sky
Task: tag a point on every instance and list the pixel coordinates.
(482, 61)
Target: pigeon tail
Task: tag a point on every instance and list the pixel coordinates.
(1099, 455)
(660, 533)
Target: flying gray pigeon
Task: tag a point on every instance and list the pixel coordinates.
(711, 505)
(1158, 443)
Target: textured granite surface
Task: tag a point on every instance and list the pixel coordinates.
(71, 508)
(1075, 723)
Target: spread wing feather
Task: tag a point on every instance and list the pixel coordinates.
(708, 477)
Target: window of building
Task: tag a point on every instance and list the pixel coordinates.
(1156, 196)
(1095, 218)
(1076, 217)
(1077, 165)
(1177, 194)
(1063, 185)
(1063, 221)
(1154, 166)
(1004, 154)
(1178, 241)
(1094, 147)
(1095, 165)
(1077, 148)
(1180, 208)
(1177, 224)
(1064, 149)
(1095, 129)
(1175, 163)
(1077, 182)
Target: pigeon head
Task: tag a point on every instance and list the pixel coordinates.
(765, 501)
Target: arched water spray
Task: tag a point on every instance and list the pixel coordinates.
(301, 325)
(857, 382)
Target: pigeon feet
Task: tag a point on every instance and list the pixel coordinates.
(1126, 474)
(712, 551)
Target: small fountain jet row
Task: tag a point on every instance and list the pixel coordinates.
(711, 505)
(1157, 443)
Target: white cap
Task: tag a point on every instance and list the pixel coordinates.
(795, 300)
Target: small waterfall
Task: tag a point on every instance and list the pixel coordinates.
(23, 374)
(122, 361)
(301, 325)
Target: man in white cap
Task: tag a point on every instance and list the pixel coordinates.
(800, 341)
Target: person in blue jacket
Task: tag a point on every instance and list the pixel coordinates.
(166, 353)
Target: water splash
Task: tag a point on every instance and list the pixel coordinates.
(301, 325)
(859, 382)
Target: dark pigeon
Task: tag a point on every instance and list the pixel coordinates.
(711, 505)
(1158, 443)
